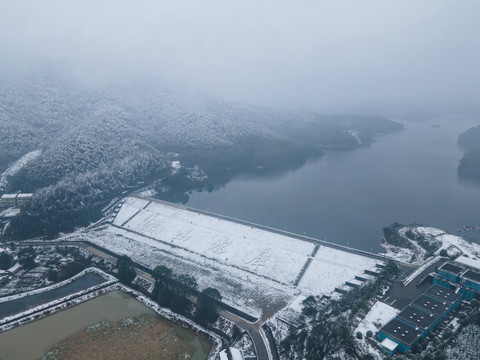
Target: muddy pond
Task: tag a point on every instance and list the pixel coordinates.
(113, 310)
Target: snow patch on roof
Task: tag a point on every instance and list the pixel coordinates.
(472, 262)
(388, 344)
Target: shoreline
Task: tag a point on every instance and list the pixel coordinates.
(64, 303)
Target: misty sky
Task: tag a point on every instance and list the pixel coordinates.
(319, 54)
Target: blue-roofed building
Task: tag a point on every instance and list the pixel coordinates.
(452, 283)
(453, 297)
(471, 283)
(453, 276)
(418, 319)
(404, 335)
(450, 272)
(431, 306)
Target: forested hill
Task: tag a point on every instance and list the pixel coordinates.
(469, 166)
(81, 129)
(90, 137)
(470, 139)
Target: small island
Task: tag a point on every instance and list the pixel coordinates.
(469, 166)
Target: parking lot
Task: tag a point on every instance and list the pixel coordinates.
(400, 296)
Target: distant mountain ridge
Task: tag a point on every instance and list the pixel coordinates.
(81, 129)
(97, 144)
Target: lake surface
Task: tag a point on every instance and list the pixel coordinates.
(32, 340)
(347, 197)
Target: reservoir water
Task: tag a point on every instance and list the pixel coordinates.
(347, 197)
(32, 340)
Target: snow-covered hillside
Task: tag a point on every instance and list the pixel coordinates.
(18, 165)
(90, 133)
(82, 128)
(417, 238)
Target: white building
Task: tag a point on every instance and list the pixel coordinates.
(23, 198)
(10, 200)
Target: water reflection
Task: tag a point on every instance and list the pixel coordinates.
(349, 196)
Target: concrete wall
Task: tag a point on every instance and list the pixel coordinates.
(447, 276)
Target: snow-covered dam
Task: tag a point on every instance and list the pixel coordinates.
(232, 255)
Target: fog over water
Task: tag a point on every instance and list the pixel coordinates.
(330, 56)
(327, 55)
(349, 196)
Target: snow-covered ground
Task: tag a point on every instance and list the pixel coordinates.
(297, 304)
(243, 290)
(468, 252)
(452, 243)
(189, 234)
(253, 268)
(235, 353)
(259, 251)
(17, 165)
(379, 314)
(399, 253)
(469, 261)
(10, 212)
(225, 326)
(331, 268)
(148, 193)
(246, 346)
(128, 211)
(291, 313)
(415, 255)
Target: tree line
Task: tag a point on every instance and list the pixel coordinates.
(176, 292)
